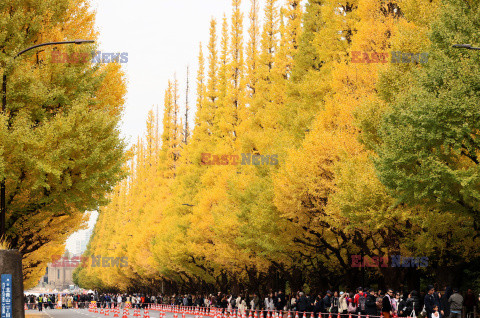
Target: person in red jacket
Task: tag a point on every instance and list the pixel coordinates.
(360, 300)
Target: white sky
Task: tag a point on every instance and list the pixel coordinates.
(161, 37)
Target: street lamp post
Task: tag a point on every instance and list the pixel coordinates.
(465, 46)
(3, 210)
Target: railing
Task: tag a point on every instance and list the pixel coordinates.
(203, 312)
(214, 312)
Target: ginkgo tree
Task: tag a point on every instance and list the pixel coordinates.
(60, 140)
(344, 184)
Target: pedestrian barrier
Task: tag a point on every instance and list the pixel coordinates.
(195, 312)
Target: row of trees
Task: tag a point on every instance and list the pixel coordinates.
(375, 159)
(60, 146)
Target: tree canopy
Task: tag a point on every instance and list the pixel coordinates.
(60, 145)
(373, 158)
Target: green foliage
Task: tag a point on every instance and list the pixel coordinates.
(430, 141)
(61, 150)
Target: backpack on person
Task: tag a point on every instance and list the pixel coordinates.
(361, 302)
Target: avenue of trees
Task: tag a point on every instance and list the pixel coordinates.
(375, 159)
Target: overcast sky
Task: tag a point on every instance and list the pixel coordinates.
(161, 37)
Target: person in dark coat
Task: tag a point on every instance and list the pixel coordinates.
(302, 303)
(281, 302)
(445, 303)
(402, 306)
(319, 306)
(439, 302)
(310, 302)
(387, 304)
(371, 303)
(413, 304)
(430, 301)
(327, 302)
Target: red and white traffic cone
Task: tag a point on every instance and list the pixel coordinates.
(296, 314)
(146, 313)
(107, 312)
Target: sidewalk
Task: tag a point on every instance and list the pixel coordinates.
(38, 314)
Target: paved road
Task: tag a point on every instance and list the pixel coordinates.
(84, 313)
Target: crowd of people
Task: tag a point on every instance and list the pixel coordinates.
(365, 302)
(49, 301)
